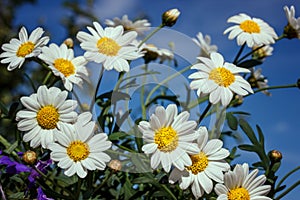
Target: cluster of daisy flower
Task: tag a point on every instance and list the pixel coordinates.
(50, 120)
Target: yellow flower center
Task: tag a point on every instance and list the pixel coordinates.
(47, 117)
(66, 67)
(199, 161)
(238, 194)
(108, 46)
(78, 150)
(250, 26)
(25, 49)
(222, 76)
(166, 138)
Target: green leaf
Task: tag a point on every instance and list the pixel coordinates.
(249, 63)
(275, 167)
(258, 164)
(65, 181)
(248, 130)
(12, 147)
(17, 195)
(232, 121)
(247, 147)
(13, 109)
(117, 136)
(160, 194)
(3, 108)
(143, 179)
(16, 179)
(128, 191)
(261, 136)
(171, 98)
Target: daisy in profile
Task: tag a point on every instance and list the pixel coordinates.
(219, 79)
(82, 150)
(17, 50)
(252, 31)
(207, 166)
(257, 80)
(204, 42)
(63, 63)
(169, 137)
(292, 29)
(140, 26)
(260, 53)
(46, 113)
(109, 46)
(239, 184)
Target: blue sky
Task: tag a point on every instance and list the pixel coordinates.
(278, 115)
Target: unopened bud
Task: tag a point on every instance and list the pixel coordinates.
(170, 17)
(69, 42)
(290, 32)
(275, 156)
(115, 165)
(29, 157)
(238, 100)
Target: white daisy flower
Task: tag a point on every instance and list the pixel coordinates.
(47, 112)
(169, 138)
(82, 150)
(204, 42)
(207, 166)
(242, 185)
(218, 79)
(257, 80)
(62, 62)
(292, 30)
(261, 53)
(109, 46)
(140, 26)
(166, 54)
(17, 50)
(252, 31)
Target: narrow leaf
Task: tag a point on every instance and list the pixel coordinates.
(248, 130)
(247, 147)
(232, 121)
(249, 63)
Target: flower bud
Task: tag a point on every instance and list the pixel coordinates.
(275, 156)
(29, 157)
(239, 100)
(69, 42)
(170, 17)
(290, 32)
(115, 165)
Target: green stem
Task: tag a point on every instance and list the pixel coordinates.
(78, 188)
(288, 190)
(165, 81)
(251, 52)
(274, 87)
(204, 112)
(150, 35)
(239, 54)
(46, 79)
(286, 176)
(103, 182)
(96, 89)
(169, 192)
(142, 95)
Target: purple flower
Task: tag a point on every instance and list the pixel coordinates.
(41, 195)
(13, 167)
(41, 166)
